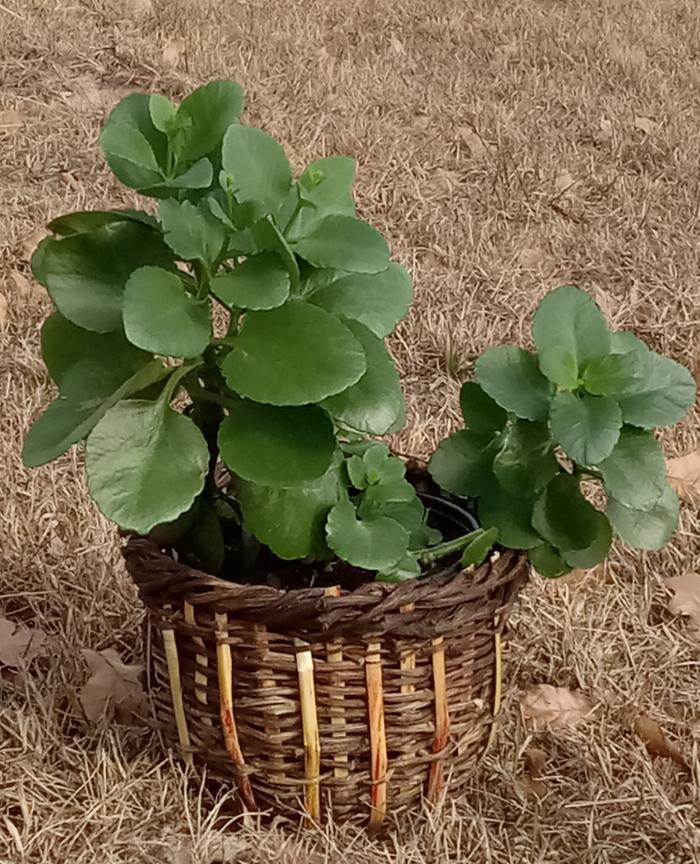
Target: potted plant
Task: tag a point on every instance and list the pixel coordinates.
(223, 359)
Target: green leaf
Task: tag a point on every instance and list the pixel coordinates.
(597, 550)
(90, 220)
(613, 374)
(160, 316)
(462, 464)
(291, 521)
(327, 185)
(86, 273)
(205, 115)
(197, 176)
(344, 243)
(635, 472)
(37, 261)
(202, 545)
(512, 517)
(397, 500)
(564, 517)
(405, 568)
(373, 404)
(293, 355)
(277, 446)
(357, 473)
(623, 341)
(372, 544)
(258, 165)
(162, 112)
(260, 282)
(481, 414)
(512, 378)
(267, 238)
(380, 465)
(560, 366)
(479, 546)
(87, 365)
(145, 464)
(191, 231)
(646, 529)
(135, 149)
(662, 395)
(65, 422)
(379, 301)
(569, 321)
(587, 427)
(525, 462)
(547, 561)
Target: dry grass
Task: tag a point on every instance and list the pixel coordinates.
(501, 150)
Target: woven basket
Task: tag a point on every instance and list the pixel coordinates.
(353, 703)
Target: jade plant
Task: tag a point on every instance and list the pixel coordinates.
(238, 321)
(559, 452)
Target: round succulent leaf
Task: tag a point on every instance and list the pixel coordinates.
(357, 472)
(378, 300)
(87, 365)
(624, 341)
(293, 355)
(371, 544)
(405, 569)
(479, 546)
(191, 231)
(525, 462)
(512, 378)
(276, 446)
(86, 273)
(258, 165)
(374, 403)
(205, 115)
(145, 464)
(635, 472)
(268, 238)
(663, 394)
(380, 465)
(597, 550)
(162, 112)
(613, 374)
(260, 282)
(84, 221)
(481, 414)
(291, 522)
(586, 427)
(512, 516)
(397, 500)
(326, 185)
(343, 243)
(197, 176)
(645, 529)
(563, 516)
(160, 316)
(67, 421)
(568, 319)
(462, 464)
(135, 150)
(559, 365)
(547, 562)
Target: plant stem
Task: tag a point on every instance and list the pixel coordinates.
(449, 547)
(197, 392)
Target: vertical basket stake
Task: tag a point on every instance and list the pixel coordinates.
(408, 658)
(334, 654)
(377, 736)
(271, 727)
(173, 662)
(200, 680)
(497, 689)
(442, 720)
(309, 723)
(224, 662)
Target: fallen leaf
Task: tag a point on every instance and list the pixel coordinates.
(605, 128)
(10, 120)
(534, 766)
(531, 257)
(19, 645)
(655, 741)
(3, 310)
(22, 284)
(564, 180)
(684, 476)
(546, 705)
(112, 688)
(686, 596)
(476, 144)
(172, 53)
(646, 125)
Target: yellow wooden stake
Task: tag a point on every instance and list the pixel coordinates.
(173, 663)
(200, 678)
(442, 720)
(309, 723)
(377, 736)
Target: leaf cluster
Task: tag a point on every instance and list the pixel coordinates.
(582, 408)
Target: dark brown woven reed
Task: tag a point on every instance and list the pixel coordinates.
(354, 703)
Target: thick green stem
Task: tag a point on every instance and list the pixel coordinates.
(449, 547)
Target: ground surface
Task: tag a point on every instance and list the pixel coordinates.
(504, 149)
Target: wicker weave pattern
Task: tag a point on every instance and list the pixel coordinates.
(360, 702)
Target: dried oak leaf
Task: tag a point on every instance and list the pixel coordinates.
(646, 125)
(19, 645)
(655, 741)
(545, 705)
(113, 688)
(172, 53)
(530, 258)
(684, 476)
(686, 596)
